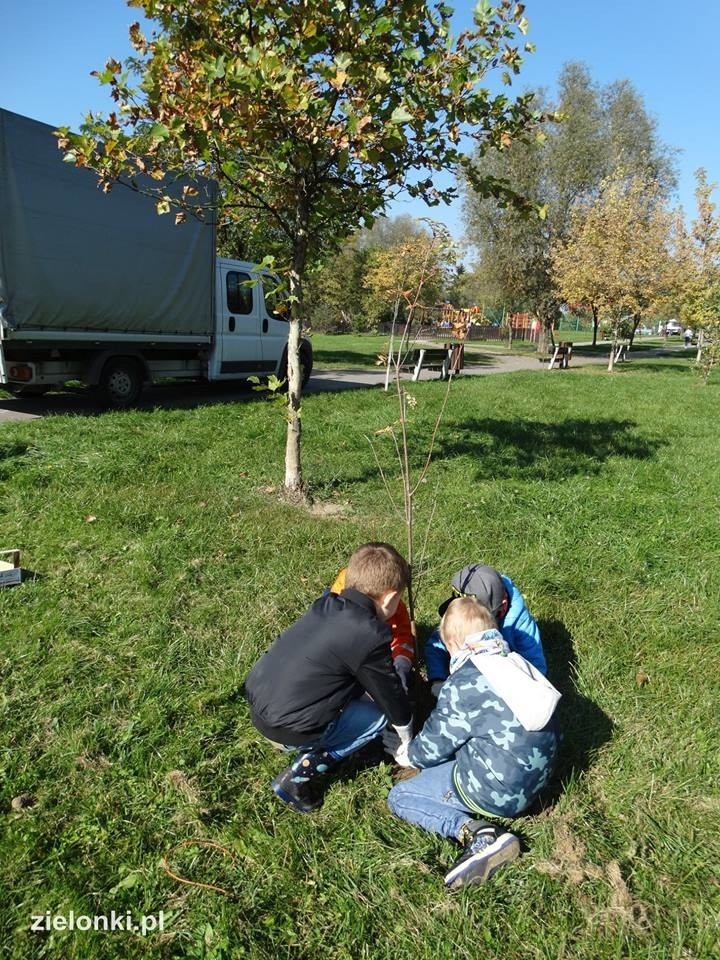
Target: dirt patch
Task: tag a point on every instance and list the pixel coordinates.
(629, 912)
(569, 858)
(569, 863)
(93, 762)
(329, 509)
(23, 802)
(179, 782)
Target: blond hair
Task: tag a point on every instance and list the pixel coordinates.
(463, 617)
(375, 569)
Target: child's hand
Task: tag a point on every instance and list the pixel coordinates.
(401, 756)
(391, 741)
(402, 669)
(404, 733)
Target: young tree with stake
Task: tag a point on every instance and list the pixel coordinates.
(314, 113)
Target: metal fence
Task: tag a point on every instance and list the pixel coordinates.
(486, 332)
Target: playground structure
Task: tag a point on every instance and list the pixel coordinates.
(446, 322)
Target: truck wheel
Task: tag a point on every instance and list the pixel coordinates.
(306, 361)
(121, 383)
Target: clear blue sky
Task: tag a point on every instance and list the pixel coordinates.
(665, 47)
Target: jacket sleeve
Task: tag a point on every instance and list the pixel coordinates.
(377, 677)
(445, 731)
(520, 630)
(437, 659)
(402, 643)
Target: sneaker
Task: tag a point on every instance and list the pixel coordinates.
(297, 795)
(485, 852)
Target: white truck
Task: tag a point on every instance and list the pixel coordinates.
(101, 289)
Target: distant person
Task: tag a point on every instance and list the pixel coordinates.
(327, 685)
(500, 595)
(486, 750)
(688, 335)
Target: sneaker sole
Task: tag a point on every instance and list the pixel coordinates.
(480, 867)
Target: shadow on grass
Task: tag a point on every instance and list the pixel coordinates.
(343, 358)
(85, 402)
(583, 726)
(533, 450)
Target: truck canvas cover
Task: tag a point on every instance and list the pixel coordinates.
(73, 258)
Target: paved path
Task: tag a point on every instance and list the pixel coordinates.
(82, 403)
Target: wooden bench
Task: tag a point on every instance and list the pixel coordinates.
(448, 360)
(561, 355)
(621, 351)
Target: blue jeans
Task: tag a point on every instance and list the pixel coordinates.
(359, 723)
(430, 801)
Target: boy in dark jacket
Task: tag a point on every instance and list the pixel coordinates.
(487, 749)
(327, 685)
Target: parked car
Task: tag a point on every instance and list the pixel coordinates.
(673, 328)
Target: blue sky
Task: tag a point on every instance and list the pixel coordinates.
(667, 48)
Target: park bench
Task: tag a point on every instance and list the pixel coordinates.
(561, 355)
(448, 360)
(621, 351)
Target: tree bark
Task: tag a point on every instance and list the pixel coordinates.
(542, 336)
(596, 323)
(295, 488)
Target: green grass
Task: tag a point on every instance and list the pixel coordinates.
(337, 351)
(163, 567)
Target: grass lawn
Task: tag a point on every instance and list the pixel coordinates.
(337, 351)
(164, 564)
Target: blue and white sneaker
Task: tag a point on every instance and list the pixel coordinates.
(486, 851)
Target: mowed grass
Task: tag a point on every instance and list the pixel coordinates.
(164, 564)
(348, 350)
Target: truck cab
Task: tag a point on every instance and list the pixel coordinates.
(251, 335)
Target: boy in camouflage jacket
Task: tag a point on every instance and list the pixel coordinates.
(476, 757)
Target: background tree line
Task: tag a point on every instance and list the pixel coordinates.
(608, 243)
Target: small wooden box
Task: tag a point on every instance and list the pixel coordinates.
(10, 571)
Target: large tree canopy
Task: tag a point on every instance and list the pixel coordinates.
(618, 255)
(310, 113)
(602, 129)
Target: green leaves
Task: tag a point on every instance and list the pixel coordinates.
(382, 25)
(400, 115)
(159, 131)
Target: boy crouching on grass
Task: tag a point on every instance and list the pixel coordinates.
(327, 685)
(486, 750)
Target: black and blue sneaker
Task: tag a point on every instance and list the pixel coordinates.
(293, 784)
(487, 849)
(296, 793)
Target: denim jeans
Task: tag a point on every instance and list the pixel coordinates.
(359, 723)
(430, 801)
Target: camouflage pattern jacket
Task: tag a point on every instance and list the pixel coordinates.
(499, 766)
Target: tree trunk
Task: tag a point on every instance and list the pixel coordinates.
(613, 350)
(596, 323)
(542, 336)
(295, 488)
(636, 324)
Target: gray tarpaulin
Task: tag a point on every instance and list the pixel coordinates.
(74, 258)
